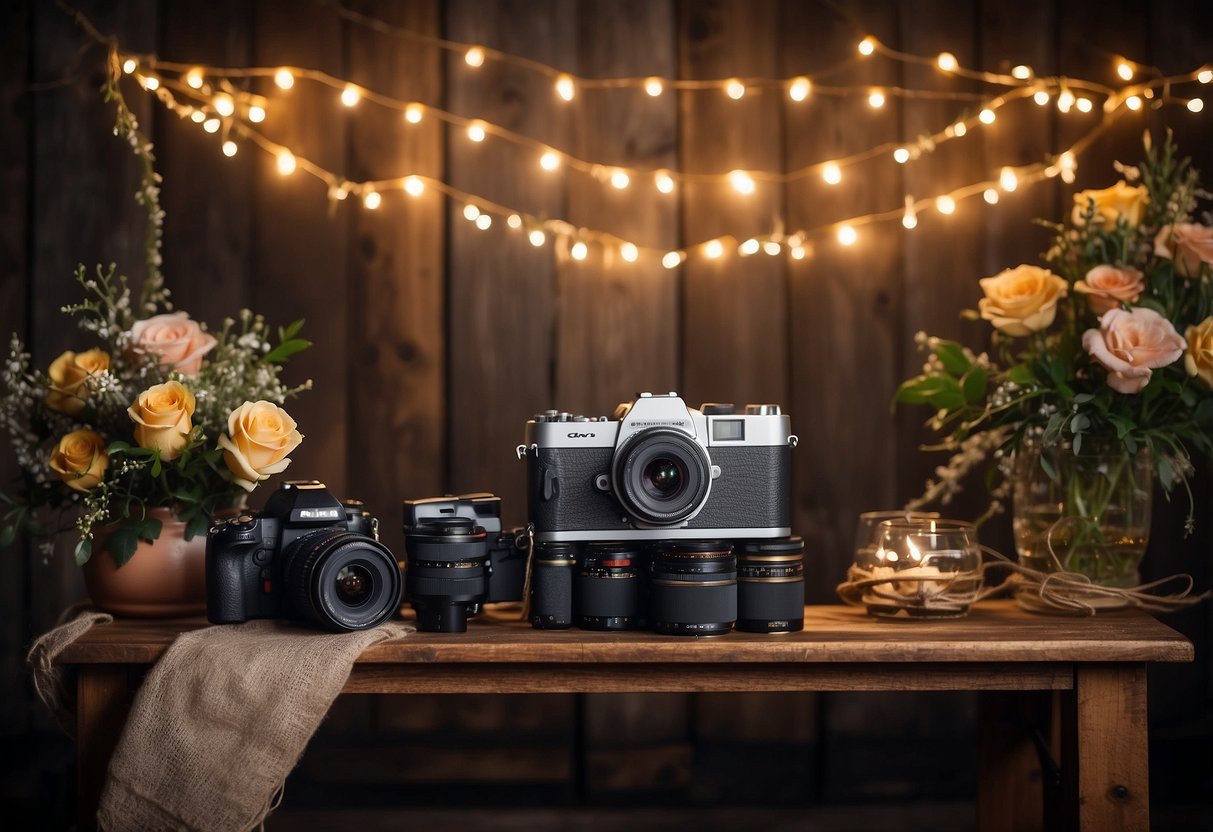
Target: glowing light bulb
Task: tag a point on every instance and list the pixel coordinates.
(742, 182)
(413, 186)
(1021, 72)
(537, 237)
(945, 204)
(1133, 102)
(514, 221)
(665, 182)
(193, 79)
(1125, 70)
(413, 113)
(579, 250)
(151, 82)
(483, 222)
(256, 114)
(799, 89)
(653, 86)
(734, 89)
(223, 104)
(372, 200)
(771, 247)
(1065, 100)
(947, 62)
(549, 161)
(620, 180)
(230, 148)
(875, 99)
(1041, 97)
(1196, 105)
(713, 249)
(847, 235)
(986, 116)
(350, 95)
(629, 252)
(476, 131)
(1084, 105)
(197, 116)
(798, 252)
(338, 192)
(901, 155)
(990, 195)
(284, 79)
(565, 88)
(749, 247)
(474, 57)
(211, 125)
(959, 129)
(286, 162)
(129, 65)
(831, 173)
(867, 46)
(671, 259)
(470, 212)
(909, 219)
(1204, 76)
(1008, 180)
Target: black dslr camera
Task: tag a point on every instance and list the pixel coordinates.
(307, 557)
(459, 557)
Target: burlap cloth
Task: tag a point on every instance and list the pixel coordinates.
(219, 722)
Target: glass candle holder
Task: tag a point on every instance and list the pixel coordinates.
(921, 567)
(869, 525)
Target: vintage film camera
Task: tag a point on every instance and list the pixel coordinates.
(459, 557)
(307, 557)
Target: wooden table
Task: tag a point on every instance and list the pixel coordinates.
(1096, 669)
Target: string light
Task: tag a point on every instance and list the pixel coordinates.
(734, 89)
(1084, 105)
(629, 252)
(413, 113)
(901, 155)
(579, 250)
(772, 248)
(749, 247)
(549, 161)
(672, 259)
(350, 95)
(867, 46)
(990, 195)
(1196, 105)
(620, 180)
(798, 252)
(986, 116)
(909, 219)
(1125, 70)
(151, 82)
(476, 131)
(193, 79)
(284, 79)
(653, 86)
(742, 182)
(1065, 100)
(256, 113)
(129, 66)
(371, 200)
(945, 204)
(197, 116)
(537, 237)
(847, 235)
(483, 222)
(664, 182)
(831, 173)
(947, 62)
(1205, 76)
(565, 88)
(223, 104)
(474, 57)
(286, 162)
(959, 129)
(1041, 97)
(1133, 102)
(470, 212)
(514, 221)
(1007, 180)
(875, 99)
(713, 249)
(230, 148)
(211, 125)
(1021, 72)
(413, 186)
(799, 89)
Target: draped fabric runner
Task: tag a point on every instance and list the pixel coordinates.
(220, 721)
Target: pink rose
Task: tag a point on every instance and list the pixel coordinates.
(1129, 343)
(1188, 244)
(177, 341)
(1106, 287)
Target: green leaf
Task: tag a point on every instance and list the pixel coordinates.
(1083, 398)
(1053, 430)
(1122, 424)
(1047, 465)
(1020, 374)
(290, 331)
(149, 529)
(1167, 476)
(974, 384)
(156, 466)
(7, 535)
(952, 356)
(118, 447)
(285, 350)
(941, 392)
(123, 542)
(1079, 423)
(83, 551)
(197, 525)
(1076, 442)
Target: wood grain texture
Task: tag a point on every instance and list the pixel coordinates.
(1113, 755)
(103, 699)
(1010, 794)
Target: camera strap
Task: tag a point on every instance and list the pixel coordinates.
(526, 541)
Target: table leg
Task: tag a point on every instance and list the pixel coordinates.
(1009, 776)
(1105, 750)
(103, 699)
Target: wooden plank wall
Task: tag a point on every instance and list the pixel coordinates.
(436, 340)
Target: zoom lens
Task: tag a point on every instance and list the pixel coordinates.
(607, 589)
(693, 588)
(552, 586)
(447, 572)
(770, 588)
(341, 580)
(661, 476)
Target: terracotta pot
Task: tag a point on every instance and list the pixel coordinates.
(163, 579)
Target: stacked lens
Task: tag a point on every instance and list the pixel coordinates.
(607, 589)
(770, 588)
(447, 571)
(693, 588)
(552, 586)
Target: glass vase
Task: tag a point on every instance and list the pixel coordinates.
(1086, 512)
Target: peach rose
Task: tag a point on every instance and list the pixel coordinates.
(80, 459)
(1188, 244)
(1120, 200)
(1107, 287)
(1198, 360)
(1130, 343)
(259, 436)
(1021, 300)
(69, 375)
(177, 341)
(162, 416)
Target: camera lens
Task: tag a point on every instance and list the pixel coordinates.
(341, 580)
(770, 589)
(693, 588)
(607, 589)
(661, 476)
(552, 586)
(447, 571)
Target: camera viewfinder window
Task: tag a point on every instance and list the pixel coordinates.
(728, 430)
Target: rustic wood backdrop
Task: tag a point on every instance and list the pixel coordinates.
(435, 341)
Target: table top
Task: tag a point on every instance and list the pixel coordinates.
(994, 631)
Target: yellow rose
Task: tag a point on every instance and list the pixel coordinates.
(69, 375)
(1021, 300)
(80, 459)
(259, 436)
(1198, 359)
(1120, 200)
(162, 418)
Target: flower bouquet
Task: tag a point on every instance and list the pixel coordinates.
(160, 414)
(1099, 375)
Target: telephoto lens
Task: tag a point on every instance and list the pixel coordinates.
(447, 571)
(607, 589)
(693, 588)
(341, 580)
(770, 585)
(552, 586)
